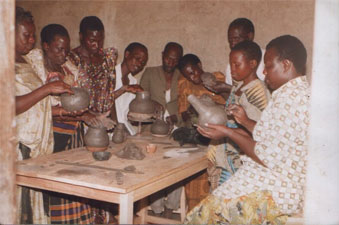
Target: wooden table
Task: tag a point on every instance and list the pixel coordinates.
(75, 172)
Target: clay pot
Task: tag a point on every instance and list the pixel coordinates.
(160, 127)
(120, 134)
(208, 111)
(208, 79)
(96, 139)
(78, 101)
(142, 103)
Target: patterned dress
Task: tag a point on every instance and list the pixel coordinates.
(225, 156)
(281, 137)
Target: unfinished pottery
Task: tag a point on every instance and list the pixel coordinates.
(120, 133)
(142, 103)
(160, 127)
(101, 156)
(208, 111)
(96, 139)
(78, 101)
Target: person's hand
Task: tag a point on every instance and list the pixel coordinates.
(134, 88)
(58, 87)
(185, 116)
(91, 120)
(238, 113)
(105, 121)
(64, 112)
(54, 76)
(172, 119)
(214, 131)
(218, 87)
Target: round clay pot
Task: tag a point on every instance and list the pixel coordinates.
(142, 103)
(120, 134)
(160, 127)
(208, 111)
(101, 156)
(96, 139)
(78, 101)
(208, 79)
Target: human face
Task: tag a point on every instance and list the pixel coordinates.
(93, 40)
(193, 73)
(241, 67)
(24, 38)
(57, 50)
(136, 60)
(236, 35)
(170, 59)
(274, 70)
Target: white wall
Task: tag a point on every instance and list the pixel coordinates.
(322, 195)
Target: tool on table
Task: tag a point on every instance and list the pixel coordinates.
(98, 167)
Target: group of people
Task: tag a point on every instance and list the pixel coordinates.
(256, 161)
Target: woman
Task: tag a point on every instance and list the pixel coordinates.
(33, 112)
(270, 183)
(248, 94)
(67, 126)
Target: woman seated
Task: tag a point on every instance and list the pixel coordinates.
(270, 183)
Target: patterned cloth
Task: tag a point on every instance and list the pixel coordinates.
(186, 88)
(98, 79)
(225, 155)
(34, 132)
(256, 208)
(281, 136)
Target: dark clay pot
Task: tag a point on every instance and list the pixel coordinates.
(96, 139)
(78, 101)
(160, 127)
(120, 134)
(142, 103)
(208, 111)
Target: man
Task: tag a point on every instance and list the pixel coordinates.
(239, 30)
(135, 59)
(162, 81)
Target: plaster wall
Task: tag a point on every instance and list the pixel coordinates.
(200, 26)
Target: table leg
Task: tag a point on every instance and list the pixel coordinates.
(126, 209)
(143, 210)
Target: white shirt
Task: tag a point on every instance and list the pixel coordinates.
(260, 70)
(122, 102)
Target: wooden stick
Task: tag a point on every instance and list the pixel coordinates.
(98, 167)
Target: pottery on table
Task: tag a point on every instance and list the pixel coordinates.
(208, 111)
(78, 101)
(160, 127)
(96, 139)
(101, 156)
(142, 103)
(120, 133)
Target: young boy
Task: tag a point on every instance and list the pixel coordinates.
(250, 96)
(191, 83)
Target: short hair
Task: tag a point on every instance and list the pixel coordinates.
(188, 59)
(174, 45)
(243, 23)
(291, 48)
(250, 49)
(22, 15)
(91, 23)
(48, 33)
(132, 46)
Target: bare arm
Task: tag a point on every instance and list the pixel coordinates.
(241, 117)
(245, 142)
(25, 102)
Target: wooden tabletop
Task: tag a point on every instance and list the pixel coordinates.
(76, 172)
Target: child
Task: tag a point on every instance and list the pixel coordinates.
(190, 66)
(248, 94)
